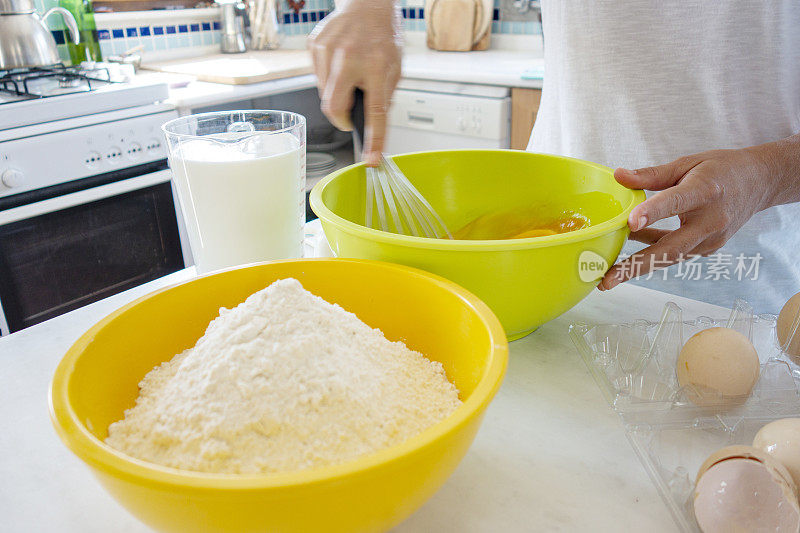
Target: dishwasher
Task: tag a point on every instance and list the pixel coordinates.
(433, 115)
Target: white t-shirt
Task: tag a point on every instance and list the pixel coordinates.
(633, 83)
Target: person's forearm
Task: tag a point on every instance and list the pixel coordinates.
(781, 160)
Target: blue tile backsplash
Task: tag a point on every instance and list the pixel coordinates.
(202, 28)
(414, 20)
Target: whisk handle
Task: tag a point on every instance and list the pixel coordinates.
(357, 115)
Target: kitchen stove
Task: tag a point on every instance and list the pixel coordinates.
(87, 208)
(86, 120)
(57, 92)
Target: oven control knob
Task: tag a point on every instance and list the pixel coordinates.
(12, 178)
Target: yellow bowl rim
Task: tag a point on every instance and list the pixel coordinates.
(617, 222)
(99, 455)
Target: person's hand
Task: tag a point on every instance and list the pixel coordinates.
(713, 194)
(358, 45)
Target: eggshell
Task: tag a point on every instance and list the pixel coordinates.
(786, 320)
(781, 439)
(718, 365)
(740, 488)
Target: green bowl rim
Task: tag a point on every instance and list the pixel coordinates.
(617, 222)
(110, 461)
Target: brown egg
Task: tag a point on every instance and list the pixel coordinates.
(790, 314)
(740, 488)
(718, 366)
(781, 439)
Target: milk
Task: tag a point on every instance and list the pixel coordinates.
(243, 197)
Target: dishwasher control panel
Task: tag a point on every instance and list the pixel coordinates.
(455, 114)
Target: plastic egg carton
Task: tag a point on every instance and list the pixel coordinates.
(634, 366)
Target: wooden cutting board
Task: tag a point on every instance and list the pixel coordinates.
(240, 69)
(458, 25)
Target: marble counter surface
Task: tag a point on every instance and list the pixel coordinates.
(550, 456)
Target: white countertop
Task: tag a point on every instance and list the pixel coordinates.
(550, 456)
(192, 94)
(490, 67)
(496, 66)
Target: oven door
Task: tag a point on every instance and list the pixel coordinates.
(62, 253)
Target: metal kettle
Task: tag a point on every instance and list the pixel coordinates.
(234, 19)
(25, 39)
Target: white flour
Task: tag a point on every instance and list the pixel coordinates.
(284, 381)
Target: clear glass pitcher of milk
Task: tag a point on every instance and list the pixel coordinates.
(240, 179)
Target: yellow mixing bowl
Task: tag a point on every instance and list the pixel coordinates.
(526, 282)
(98, 379)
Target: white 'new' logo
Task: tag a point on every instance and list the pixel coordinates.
(591, 266)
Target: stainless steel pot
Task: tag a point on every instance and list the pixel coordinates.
(25, 39)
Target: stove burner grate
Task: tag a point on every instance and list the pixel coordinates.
(52, 80)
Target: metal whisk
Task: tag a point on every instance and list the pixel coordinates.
(389, 192)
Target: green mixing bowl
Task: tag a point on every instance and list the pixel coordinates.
(526, 282)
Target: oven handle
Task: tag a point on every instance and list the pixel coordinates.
(86, 196)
